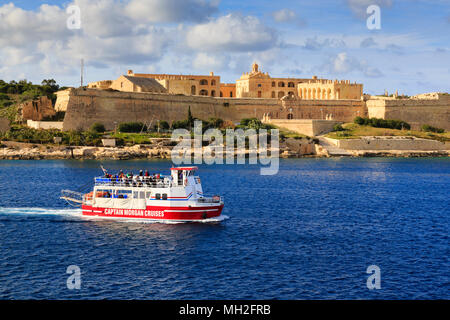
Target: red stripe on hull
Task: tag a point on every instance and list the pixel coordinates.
(156, 213)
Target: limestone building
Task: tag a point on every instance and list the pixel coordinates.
(202, 85)
(254, 84)
(137, 84)
(257, 84)
(103, 84)
(322, 89)
(228, 90)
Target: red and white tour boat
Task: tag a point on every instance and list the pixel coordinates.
(177, 197)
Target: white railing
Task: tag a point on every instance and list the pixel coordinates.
(147, 182)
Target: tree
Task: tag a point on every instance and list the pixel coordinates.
(98, 127)
(190, 118)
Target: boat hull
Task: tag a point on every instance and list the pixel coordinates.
(156, 212)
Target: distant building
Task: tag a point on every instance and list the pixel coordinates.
(228, 90)
(322, 89)
(256, 84)
(201, 85)
(137, 84)
(103, 84)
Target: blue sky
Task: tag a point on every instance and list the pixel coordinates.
(330, 39)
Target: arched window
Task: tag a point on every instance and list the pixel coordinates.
(273, 83)
(281, 84)
(204, 82)
(291, 85)
(193, 90)
(290, 116)
(231, 94)
(203, 92)
(280, 94)
(273, 94)
(213, 82)
(213, 93)
(221, 93)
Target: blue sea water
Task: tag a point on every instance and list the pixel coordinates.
(309, 232)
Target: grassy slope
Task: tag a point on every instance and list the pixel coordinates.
(355, 131)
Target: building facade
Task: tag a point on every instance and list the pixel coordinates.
(254, 84)
(201, 85)
(322, 89)
(137, 84)
(257, 84)
(228, 90)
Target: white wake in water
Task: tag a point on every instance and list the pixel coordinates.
(77, 213)
(44, 211)
(138, 220)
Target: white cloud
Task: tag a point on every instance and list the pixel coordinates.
(107, 36)
(171, 10)
(205, 62)
(342, 64)
(232, 32)
(284, 15)
(316, 44)
(19, 27)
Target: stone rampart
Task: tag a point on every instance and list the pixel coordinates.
(417, 112)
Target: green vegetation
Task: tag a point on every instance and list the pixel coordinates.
(338, 127)
(137, 138)
(27, 90)
(9, 112)
(428, 128)
(98, 127)
(254, 123)
(161, 126)
(382, 123)
(41, 136)
(356, 131)
(132, 127)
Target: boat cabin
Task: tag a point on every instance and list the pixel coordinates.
(183, 176)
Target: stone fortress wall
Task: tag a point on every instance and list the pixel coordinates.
(85, 106)
(431, 108)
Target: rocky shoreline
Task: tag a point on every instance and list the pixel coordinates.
(291, 148)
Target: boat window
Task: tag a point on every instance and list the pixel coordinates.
(123, 194)
(148, 194)
(164, 196)
(103, 193)
(158, 196)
